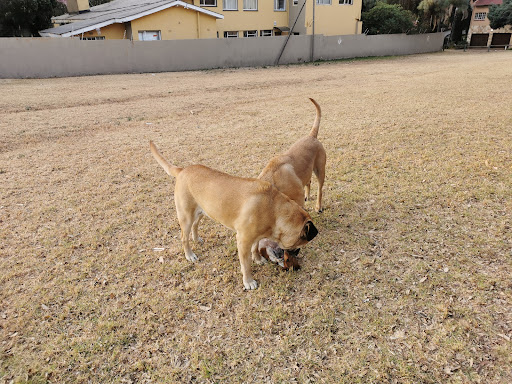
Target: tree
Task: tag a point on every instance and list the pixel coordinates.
(460, 22)
(436, 11)
(500, 15)
(368, 4)
(387, 18)
(27, 17)
(409, 5)
(444, 12)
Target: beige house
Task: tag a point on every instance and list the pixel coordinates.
(480, 33)
(206, 19)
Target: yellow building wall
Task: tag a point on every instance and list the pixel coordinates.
(177, 23)
(174, 23)
(263, 19)
(110, 32)
(334, 19)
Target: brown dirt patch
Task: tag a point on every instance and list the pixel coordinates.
(409, 280)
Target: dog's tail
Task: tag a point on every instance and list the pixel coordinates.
(316, 124)
(168, 167)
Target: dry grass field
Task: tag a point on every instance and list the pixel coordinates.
(408, 281)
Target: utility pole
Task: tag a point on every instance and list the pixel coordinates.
(290, 33)
(313, 35)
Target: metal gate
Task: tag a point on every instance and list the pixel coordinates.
(500, 39)
(479, 40)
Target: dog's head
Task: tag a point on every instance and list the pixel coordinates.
(290, 259)
(293, 226)
(291, 242)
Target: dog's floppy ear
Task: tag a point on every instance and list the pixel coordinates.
(309, 231)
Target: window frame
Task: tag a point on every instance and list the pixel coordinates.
(254, 33)
(234, 33)
(318, 2)
(202, 3)
(149, 31)
(262, 31)
(276, 3)
(91, 38)
(482, 16)
(346, 2)
(229, 9)
(250, 9)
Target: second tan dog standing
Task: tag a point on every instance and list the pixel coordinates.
(291, 173)
(253, 208)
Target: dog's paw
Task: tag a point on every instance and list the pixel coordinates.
(251, 284)
(319, 210)
(191, 257)
(199, 240)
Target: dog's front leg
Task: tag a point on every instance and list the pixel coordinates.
(244, 254)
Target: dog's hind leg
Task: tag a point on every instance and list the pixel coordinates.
(320, 175)
(198, 216)
(186, 226)
(186, 215)
(307, 189)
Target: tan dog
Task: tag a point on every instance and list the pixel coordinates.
(251, 207)
(290, 173)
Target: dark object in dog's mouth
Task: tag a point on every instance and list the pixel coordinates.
(285, 258)
(276, 255)
(291, 260)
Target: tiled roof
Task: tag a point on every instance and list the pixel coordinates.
(485, 3)
(117, 11)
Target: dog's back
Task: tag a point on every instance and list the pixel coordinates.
(291, 171)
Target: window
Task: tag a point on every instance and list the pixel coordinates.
(230, 5)
(323, 2)
(149, 35)
(93, 38)
(208, 3)
(228, 34)
(346, 2)
(480, 15)
(279, 5)
(250, 5)
(250, 33)
(295, 2)
(266, 32)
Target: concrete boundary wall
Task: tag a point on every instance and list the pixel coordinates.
(62, 57)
